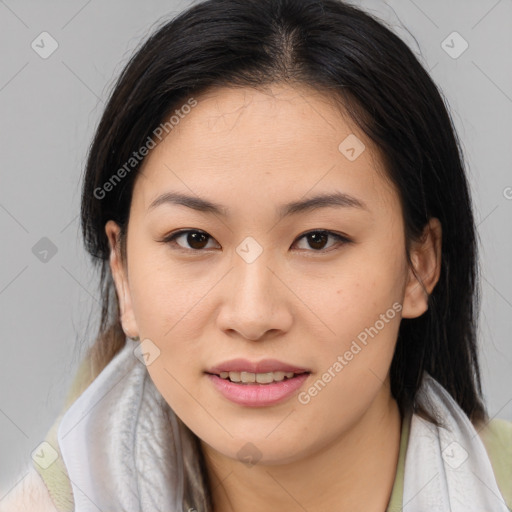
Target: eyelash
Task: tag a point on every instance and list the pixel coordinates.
(170, 239)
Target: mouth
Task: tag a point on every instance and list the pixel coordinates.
(257, 383)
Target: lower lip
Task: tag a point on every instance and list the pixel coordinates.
(258, 395)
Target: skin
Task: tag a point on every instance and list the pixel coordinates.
(251, 151)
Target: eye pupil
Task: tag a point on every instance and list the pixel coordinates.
(193, 238)
(317, 238)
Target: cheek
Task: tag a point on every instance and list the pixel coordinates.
(367, 288)
(171, 310)
(365, 314)
(167, 301)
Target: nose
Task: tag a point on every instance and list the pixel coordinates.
(256, 304)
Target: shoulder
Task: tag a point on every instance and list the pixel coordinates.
(496, 435)
(496, 432)
(29, 494)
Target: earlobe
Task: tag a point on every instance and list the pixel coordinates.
(119, 275)
(425, 271)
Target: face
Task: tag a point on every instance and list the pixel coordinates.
(319, 288)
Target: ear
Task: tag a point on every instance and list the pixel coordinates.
(120, 276)
(422, 278)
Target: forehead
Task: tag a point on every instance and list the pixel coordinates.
(268, 145)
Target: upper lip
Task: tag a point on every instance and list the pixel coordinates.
(263, 366)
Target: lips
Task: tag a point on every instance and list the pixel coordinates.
(257, 384)
(258, 395)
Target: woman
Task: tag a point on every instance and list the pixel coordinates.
(277, 200)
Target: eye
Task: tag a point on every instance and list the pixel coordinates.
(317, 239)
(198, 240)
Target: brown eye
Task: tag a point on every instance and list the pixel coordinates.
(318, 239)
(196, 240)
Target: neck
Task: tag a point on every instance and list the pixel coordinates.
(355, 472)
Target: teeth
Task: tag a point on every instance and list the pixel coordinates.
(234, 376)
(247, 377)
(260, 378)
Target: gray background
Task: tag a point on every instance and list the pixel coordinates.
(49, 109)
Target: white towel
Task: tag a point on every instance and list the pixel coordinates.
(121, 443)
(447, 469)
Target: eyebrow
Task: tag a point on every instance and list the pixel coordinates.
(332, 200)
